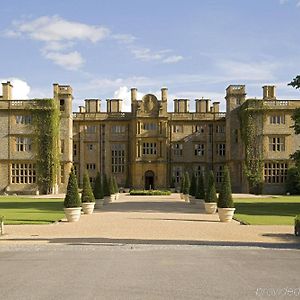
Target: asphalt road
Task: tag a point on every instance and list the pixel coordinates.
(114, 271)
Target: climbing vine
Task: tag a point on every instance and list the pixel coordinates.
(46, 117)
(251, 115)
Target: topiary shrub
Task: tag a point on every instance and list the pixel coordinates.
(187, 184)
(292, 183)
(87, 193)
(200, 191)
(149, 193)
(106, 189)
(211, 194)
(225, 196)
(111, 186)
(98, 188)
(116, 188)
(182, 183)
(72, 198)
(172, 185)
(193, 186)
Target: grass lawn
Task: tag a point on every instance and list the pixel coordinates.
(24, 210)
(267, 211)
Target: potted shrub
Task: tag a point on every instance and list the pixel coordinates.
(200, 191)
(98, 191)
(106, 190)
(112, 189)
(127, 185)
(87, 196)
(72, 203)
(182, 183)
(192, 191)
(297, 225)
(225, 203)
(172, 185)
(186, 187)
(211, 195)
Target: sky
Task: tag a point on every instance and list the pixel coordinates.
(195, 48)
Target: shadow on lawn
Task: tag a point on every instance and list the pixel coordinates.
(44, 205)
(268, 209)
(124, 242)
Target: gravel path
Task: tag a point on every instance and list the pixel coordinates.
(152, 220)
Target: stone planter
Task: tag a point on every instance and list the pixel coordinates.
(73, 213)
(181, 196)
(117, 196)
(172, 190)
(88, 207)
(210, 207)
(192, 199)
(106, 200)
(126, 190)
(186, 197)
(225, 214)
(99, 203)
(112, 198)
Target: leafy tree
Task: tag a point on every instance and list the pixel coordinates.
(87, 193)
(98, 188)
(193, 186)
(292, 183)
(200, 192)
(225, 196)
(106, 189)
(72, 198)
(211, 194)
(295, 83)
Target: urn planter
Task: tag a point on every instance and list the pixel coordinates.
(88, 207)
(117, 196)
(181, 196)
(210, 207)
(225, 214)
(73, 213)
(186, 197)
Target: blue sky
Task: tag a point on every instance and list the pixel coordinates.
(195, 48)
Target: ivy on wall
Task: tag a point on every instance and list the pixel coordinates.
(251, 115)
(46, 116)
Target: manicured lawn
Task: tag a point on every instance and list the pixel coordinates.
(268, 211)
(23, 210)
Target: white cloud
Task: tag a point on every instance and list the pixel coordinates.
(54, 28)
(173, 59)
(124, 93)
(124, 38)
(286, 1)
(70, 61)
(20, 90)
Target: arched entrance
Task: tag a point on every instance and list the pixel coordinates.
(149, 180)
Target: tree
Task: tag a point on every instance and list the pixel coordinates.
(200, 192)
(87, 193)
(211, 194)
(72, 198)
(193, 186)
(116, 188)
(98, 188)
(106, 190)
(295, 83)
(292, 183)
(225, 196)
(111, 186)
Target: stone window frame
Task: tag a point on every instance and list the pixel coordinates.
(276, 119)
(221, 149)
(23, 144)
(23, 119)
(177, 173)
(118, 129)
(276, 143)
(91, 166)
(149, 148)
(177, 149)
(275, 172)
(199, 149)
(118, 158)
(22, 173)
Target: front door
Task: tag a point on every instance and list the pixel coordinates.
(149, 180)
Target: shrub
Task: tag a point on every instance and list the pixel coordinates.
(149, 192)
(292, 184)
(193, 186)
(172, 186)
(211, 194)
(87, 193)
(200, 192)
(106, 190)
(72, 198)
(116, 188)
(225, 196)
(187, 183)
(98, 188)
(182, 179)
(111, 186)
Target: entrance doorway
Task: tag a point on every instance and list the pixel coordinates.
(149, 180)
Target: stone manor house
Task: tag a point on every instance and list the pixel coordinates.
(150, 147)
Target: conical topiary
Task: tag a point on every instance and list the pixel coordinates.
(98, 188)
(225, 196)
(211, 195)
(187, 184)
(193, 185)
(111, 185)
(106, 190)
(116, 188)
(200, 192)
(72, 198)
(87, 193)
(182, 179)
